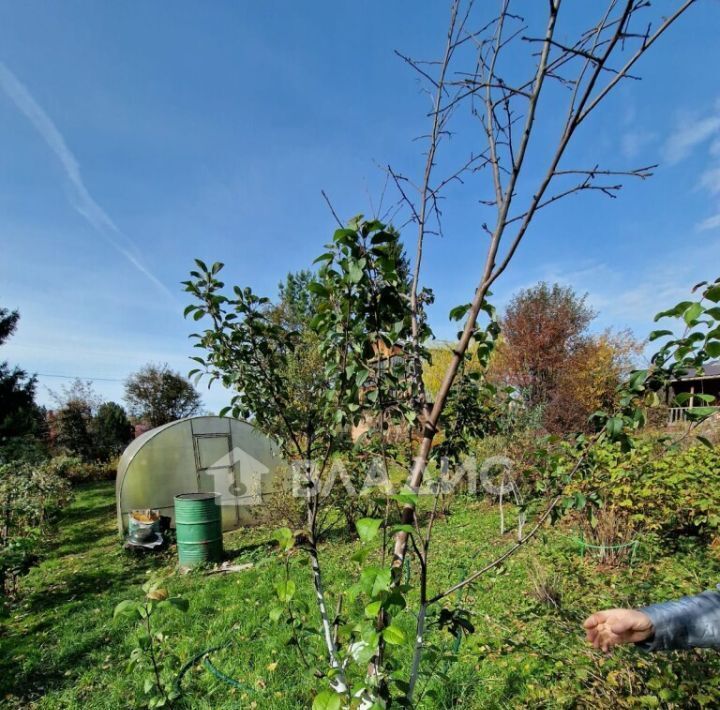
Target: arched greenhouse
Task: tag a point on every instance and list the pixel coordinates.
(200, 454)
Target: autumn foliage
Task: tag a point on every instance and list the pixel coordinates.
(547, 352)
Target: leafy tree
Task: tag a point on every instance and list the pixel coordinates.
(591, 380)
(307, 384)
(297, 304)
(544, 328)
(547, 352)
(159, 395)
(111, 430)
(73, 419)
(21, 420)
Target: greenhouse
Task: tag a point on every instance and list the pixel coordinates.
(200, 454)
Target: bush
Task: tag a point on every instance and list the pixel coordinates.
(75, 470)
(29, 498)
(668, 492)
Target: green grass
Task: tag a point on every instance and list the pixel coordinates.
(60, 647)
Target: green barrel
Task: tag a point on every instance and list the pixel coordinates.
(199, 528)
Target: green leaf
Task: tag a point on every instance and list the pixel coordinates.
(318, 288)
(128, 606)
(342, 233)
(655, 334)
(355, 273)
(285, 590)
(382, 238)
(713, 348)
(275, 613)
(614, 426)
(367, 578)
(406, 498)
(637, 378)
(707, 398)
(692, 313)
(373, 609)
(459, 311)
(368, 528)
(383, 580)
(700, 413)
(704, 440)
(327, 699)
(410, 416)
(394, 635)
(403, 528)
(489, 309)
(285, 538)
(713, 293)
(361, 377)
(360, 555)
(679, 309)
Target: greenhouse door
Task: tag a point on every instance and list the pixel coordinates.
(216, 472)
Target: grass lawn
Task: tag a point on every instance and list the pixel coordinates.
(61, 648)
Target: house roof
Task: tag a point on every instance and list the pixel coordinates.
(711, 370)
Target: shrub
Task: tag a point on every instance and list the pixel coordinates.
(75, 470)
(29, 497)
(668, 492)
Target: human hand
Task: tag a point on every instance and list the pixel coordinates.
(612, 627)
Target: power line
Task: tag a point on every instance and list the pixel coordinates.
(76, 377)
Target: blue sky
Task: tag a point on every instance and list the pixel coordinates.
(136, 136)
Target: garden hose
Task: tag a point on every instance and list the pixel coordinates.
(224, 678)
(210, 667)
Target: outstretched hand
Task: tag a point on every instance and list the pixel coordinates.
(613, 627)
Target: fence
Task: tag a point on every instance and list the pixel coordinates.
(678, 415)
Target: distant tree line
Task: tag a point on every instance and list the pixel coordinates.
(81, 424)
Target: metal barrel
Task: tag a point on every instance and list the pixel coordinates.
(199, 528)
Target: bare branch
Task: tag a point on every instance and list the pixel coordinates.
(398, 179)
(647, 43)
(642, 173)
(329, 204)
(415, 65)
(587, 184)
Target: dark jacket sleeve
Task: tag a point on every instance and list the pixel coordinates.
(690, 622)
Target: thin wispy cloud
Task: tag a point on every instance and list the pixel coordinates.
(709, 223)
(82, 200)
(710, 180)
(633, 142)
(688, 135)
(693, 131)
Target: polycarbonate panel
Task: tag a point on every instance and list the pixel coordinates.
(212, 451)
(212, 454)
